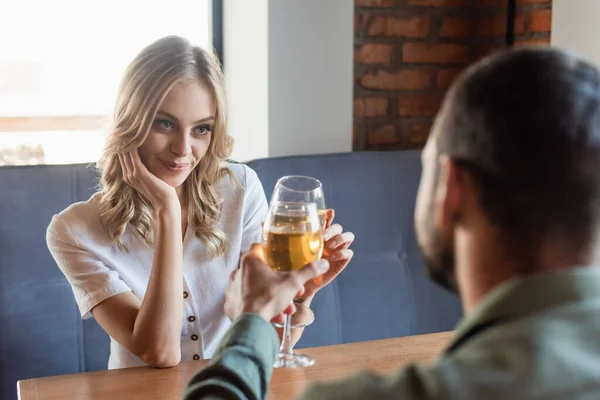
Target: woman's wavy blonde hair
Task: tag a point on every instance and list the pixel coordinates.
(145, 83)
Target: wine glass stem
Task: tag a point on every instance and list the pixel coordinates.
(286, 342)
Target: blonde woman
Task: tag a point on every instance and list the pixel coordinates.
(150, 254)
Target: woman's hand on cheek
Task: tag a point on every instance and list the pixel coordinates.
(136, 175)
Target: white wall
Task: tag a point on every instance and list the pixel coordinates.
(291, 62)
(310, 76)
(246, 60)
(576, 27)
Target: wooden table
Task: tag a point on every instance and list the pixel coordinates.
(149, 383)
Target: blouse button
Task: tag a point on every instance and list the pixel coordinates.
(185, 295)
(191, 318)
(194, 337)
(196, 357)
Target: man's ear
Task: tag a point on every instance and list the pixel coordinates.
(450, 193)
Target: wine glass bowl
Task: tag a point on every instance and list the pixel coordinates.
(303, 189)
(292, 236)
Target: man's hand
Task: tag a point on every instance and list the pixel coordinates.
(255, 288)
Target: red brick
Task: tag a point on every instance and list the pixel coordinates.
(418, 132)
(445, 77)
(486, 3)
(374, 3)
(534, 1)
(533, 42)
(496, 26)
(370, 107)
(355, 137)
(419, 105)
(360, 20)
(434, 53)
(482, 51)
(372, 53)
(404, 79)
(456, 27)
(382, 135)
(438, 3)
(416, 26)
(540, 21)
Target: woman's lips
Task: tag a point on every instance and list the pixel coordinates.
(175, 167)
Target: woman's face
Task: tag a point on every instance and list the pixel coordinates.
(180, 133)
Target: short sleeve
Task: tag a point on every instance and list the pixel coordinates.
(255, 210)
(91, 280)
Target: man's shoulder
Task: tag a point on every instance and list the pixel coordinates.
(540, 355)
(411, 382)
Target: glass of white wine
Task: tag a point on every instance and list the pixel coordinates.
(292, 238)
(304, 189)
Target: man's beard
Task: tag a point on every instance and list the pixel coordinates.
(439, 259)
(438, 252)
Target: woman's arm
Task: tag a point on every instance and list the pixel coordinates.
(151, 329)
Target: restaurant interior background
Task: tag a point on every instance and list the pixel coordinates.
(304, 77)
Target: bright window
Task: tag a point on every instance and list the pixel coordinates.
(60, 67)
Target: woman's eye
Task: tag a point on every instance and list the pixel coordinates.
(163, 124)
(203, 129)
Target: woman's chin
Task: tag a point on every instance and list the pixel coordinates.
(172, 178)
(172, 181)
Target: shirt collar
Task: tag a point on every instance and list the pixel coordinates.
(527, 295)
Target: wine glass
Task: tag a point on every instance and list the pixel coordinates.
(302, 189)
(292, 238)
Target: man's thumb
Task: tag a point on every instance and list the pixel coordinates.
(312, 270)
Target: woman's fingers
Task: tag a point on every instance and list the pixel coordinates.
(343, 240)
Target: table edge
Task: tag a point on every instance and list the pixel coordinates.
(27, 387)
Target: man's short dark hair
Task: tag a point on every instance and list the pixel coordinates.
(526, 124)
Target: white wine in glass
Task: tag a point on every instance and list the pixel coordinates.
(291, 241)
(292, 238)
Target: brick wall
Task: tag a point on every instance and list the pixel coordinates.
(407, 52)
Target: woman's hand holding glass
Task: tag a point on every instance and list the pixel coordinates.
(336, 251)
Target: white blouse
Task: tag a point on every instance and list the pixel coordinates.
(97, 269)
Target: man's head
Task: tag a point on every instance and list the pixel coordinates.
(515, 148)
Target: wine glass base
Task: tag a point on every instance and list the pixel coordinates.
(294, 360)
